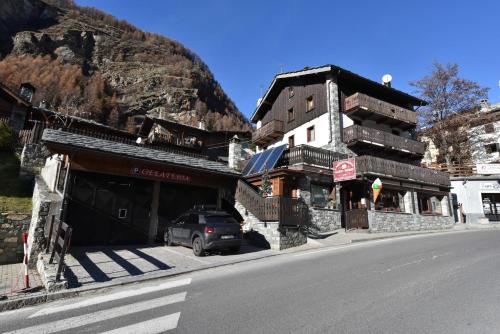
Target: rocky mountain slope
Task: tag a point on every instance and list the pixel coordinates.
(86, 62)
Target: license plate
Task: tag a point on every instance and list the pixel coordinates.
(227, 236)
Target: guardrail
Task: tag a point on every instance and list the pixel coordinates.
(305, 154)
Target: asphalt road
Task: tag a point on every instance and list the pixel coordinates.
(444, 283)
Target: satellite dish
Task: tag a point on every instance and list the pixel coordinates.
(387, 78)
(139, 140)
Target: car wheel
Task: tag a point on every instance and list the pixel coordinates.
(198, 247)
(234, 250)
(168, 238)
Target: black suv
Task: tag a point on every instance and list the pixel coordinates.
(204, 229)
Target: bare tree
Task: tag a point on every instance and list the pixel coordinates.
(447, 94)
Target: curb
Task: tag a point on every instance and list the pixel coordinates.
(38, 298)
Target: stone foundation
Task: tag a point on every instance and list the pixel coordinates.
(48, 272)
(270, 234)
(325, 220)
(45, 203)
(404, 222)
(12, 226)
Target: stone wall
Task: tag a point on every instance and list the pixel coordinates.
(45, 204)
(325, 220)
(12, 226)
(32, 160)
(270, 234)
(404, 222)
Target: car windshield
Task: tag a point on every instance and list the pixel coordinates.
(220, 219)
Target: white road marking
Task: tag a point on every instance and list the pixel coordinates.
(183, 255)
(110, 297)
(153, 326)
(90, 318)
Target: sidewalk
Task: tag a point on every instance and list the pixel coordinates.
(12, 281)
(92, 269)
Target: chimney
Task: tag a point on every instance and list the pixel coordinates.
(202, 125)
(234, 152)
(27, 91)
(485, 106)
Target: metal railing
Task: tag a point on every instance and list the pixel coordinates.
(356, 133)
(58, 240)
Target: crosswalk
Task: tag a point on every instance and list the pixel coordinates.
(153, 320)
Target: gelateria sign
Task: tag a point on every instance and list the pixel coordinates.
(159, 174)
(344, 170)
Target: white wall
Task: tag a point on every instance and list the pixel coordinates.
(321, 128)
(469, 194)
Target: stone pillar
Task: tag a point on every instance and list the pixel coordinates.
(415, 203)
(445, 210)
(153, 222)
(334, 114)
(408, 202)
(234, 152)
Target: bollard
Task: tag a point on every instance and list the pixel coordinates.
(25, 261)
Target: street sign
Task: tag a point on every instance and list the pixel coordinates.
(344, 170)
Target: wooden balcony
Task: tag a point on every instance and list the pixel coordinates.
(372, 165)
(356, 134)
(367, 107)
(309, 155)
(268, 133)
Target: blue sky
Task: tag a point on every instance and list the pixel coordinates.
(245, 43)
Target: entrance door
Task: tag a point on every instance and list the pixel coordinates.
(354, 199)
(491, 206)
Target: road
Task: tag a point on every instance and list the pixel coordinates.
(442, 283)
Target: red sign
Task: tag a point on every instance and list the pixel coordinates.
(158, 174)
(344, 170)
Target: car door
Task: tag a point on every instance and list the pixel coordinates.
(191, 225)
(178, 229)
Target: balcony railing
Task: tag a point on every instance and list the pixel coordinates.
(357, 133)
(309, 155)
(268, 132)
(372, 165)
(366, 106)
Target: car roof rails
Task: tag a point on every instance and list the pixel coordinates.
(205, 207)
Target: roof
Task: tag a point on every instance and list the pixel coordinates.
(343, 72)
(132, 151)
(13, 96)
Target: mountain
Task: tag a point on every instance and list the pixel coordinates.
(88, 63)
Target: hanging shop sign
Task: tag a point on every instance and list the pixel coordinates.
(377, 188)
(159, 174)
(344, 170)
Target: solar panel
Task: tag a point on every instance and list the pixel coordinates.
(250, 164)
(273, 157)
(260, 162)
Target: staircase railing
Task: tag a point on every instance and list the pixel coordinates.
(286, 210)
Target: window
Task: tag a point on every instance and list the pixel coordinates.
(291, 114)
(395, 132)
(357, 122)
(429, 204)
(291, 141)
(309, 103)
(310, 134)
(390, 200)
(290, 92)
(323, 197)
(489, 128)
(491, 148)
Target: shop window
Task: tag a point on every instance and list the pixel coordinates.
(391, 201)
(491, 148)
(489, 128)
(309, 103)
(291, 114)
(311, 135)
(291, 141)
(290, 92)
(395, 132)
(357, 122)
(323, 197)
(429, 204)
